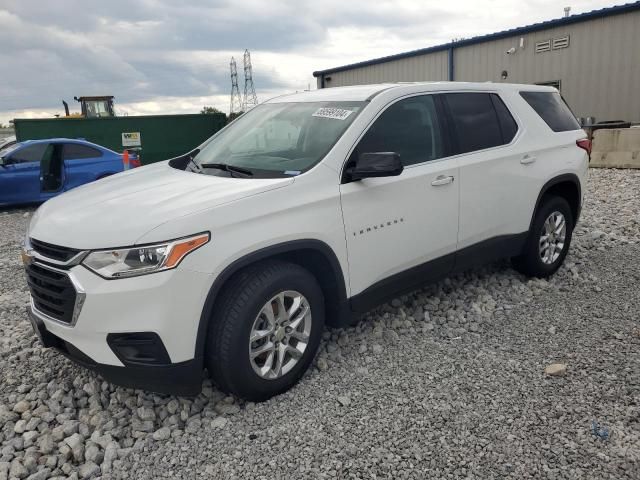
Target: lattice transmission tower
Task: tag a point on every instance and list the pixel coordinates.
(236, 100)
(250, 99)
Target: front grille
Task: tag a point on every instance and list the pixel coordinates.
(62, 254)
(52, 292)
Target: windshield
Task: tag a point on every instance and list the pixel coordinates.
(7, 149)
(97, 108)
(278, 139)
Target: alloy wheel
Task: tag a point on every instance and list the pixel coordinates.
(552, 238)
(280, 334)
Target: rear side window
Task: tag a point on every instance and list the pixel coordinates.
(551, 107)
(75, 151)
(480, 120)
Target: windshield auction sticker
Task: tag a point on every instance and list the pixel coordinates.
(337, 113)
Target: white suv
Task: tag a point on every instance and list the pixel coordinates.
(303, 212)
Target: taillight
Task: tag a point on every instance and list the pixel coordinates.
(584, 144)
(134, 163)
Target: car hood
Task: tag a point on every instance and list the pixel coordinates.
(120, 209)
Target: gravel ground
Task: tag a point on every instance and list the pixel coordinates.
(447, 382)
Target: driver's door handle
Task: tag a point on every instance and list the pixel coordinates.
(527, 159)
(442, 180)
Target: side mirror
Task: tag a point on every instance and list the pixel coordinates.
(376, 164)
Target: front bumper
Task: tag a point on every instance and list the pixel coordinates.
(138, 332)
(184, 378)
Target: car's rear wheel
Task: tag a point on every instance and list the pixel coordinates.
(266, 330)
(549, 238)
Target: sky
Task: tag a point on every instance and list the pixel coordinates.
(167, 56)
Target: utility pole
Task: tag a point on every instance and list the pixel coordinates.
(236, 100)
(250, 99)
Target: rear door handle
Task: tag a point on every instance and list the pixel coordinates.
(442, 180)
(527, 159)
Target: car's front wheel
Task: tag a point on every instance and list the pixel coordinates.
(549, 238)
(265, 330)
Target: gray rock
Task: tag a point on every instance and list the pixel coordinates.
(89, 470)
(102, 440)
(57, 433)
(219, 422)
(321, 363)
(4, 470)
(17, 470)
(173, 406)
(110, 455)
(7, 415)
(423, 403)
(146, 413)
(40, 475)
(32, 424)
(20, 426)
(92, 453)
(226, 409)
(556, 369)
(22, 406)
(163, 433)
(391, 336)
(69, 427)
(89, 388)
(142, 426)
(51, 461)
(74, 440)
(29, 438)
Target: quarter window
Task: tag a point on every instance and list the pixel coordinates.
(553, 110)
(410, 128)
(480, 120)
(75, 151)
(32, 153)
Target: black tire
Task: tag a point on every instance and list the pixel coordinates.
(530, 262)
(227, 349)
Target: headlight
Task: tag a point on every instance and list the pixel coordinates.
(130, 262)
(32, 222)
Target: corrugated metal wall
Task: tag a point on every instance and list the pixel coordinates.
(599, 72)
(433, 67)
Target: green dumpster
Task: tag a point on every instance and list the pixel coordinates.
(159, 136)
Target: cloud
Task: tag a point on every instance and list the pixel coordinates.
(162, 55)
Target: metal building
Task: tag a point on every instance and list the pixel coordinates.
(593, 58)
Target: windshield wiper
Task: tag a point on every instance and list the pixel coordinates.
(228, 168)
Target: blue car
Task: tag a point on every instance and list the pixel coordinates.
(36, 170)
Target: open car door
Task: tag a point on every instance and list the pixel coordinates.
(52, 174)
(19, 174)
